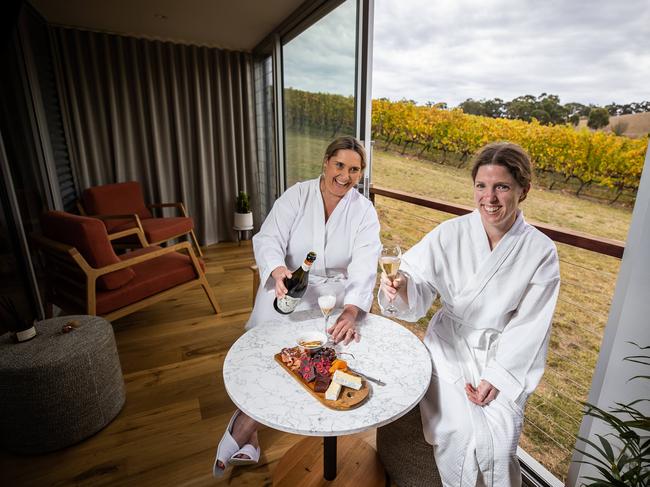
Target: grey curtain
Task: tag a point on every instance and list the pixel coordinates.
(177, 118)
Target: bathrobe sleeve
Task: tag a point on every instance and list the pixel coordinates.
(362, 270)
(271, 242)
(518, 364)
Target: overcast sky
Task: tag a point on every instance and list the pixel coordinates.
(595, 51)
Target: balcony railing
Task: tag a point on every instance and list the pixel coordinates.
(554, 412)
(613, 248)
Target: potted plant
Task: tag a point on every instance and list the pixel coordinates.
(623, 459)
(243, 215)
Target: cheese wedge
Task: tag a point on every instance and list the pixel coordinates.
(333, 391)
(347, 380)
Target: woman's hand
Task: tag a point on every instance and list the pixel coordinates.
(279, 274)
(345, 328)
(483, 395)
(397, 286)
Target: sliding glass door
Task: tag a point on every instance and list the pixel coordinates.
(319, 79)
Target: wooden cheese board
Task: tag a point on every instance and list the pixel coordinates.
(348, 398)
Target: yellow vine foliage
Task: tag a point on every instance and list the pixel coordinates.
(591, 157)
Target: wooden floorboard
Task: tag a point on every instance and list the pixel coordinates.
(176, 407)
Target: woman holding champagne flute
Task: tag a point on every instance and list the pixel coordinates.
(498, 280)
(329, 216)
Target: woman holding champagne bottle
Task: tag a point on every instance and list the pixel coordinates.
(329, 217)
(498, 280)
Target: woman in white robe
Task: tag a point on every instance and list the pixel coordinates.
(346, 243)
(498, 280)
(329, 216)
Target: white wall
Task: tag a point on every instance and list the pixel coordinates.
(629, 320)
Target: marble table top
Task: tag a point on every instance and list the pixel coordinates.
(261, 388)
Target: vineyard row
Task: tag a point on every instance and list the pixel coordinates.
(590, 157)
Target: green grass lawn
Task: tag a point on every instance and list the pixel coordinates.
(554, 413)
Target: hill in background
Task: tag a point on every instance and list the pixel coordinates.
(636, 125)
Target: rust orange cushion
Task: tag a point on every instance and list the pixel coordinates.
(89, 237)
(115, 199)
(152, 276)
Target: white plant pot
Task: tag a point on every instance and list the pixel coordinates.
(244, 221)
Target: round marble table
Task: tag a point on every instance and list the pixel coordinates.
(261, 388)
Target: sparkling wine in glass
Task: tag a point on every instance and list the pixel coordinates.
(391, 256)
(326, 303)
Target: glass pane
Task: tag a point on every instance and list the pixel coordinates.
(319, 82)
(14, 283)
(446, 82)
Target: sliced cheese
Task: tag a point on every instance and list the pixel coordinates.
(347, 380)
(333, 391)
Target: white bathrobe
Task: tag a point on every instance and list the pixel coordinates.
(347, 248)
(494, 324)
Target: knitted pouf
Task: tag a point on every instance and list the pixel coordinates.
(407, 457)
(58, 388)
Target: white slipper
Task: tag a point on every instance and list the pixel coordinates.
(226, 449)
(249, 450)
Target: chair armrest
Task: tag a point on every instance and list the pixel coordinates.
(256, 281)
(179, 205)
(130, 231)
(126, 216)
(139, 231)
(46, 243)
(43, 241)
(80, 208)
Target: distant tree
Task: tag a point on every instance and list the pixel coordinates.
(628, 108)
(541, 116)
(441, 105)
(577, 109)
(551, 105)
(546, 108)
(408, 101)
(521, 107)
(494, 108)
(472, 107)
(619, 128)
(598, 117)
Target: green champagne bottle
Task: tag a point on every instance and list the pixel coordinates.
(296, 287)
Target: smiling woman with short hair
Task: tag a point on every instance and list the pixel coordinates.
(498, 280)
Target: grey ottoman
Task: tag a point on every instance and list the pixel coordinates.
(407, 457)
(58, 388)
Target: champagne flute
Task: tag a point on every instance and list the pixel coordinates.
(326, 302)
(391, 256)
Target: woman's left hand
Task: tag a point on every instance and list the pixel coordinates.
(345, 328)
(482, 395)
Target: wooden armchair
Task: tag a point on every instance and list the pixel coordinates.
(121, 206)
(85, 275)
(256, 280)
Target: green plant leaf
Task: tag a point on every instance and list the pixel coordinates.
(607, 448)
(646, 377)
(626, 461)
(597, 482)
(593, 457)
